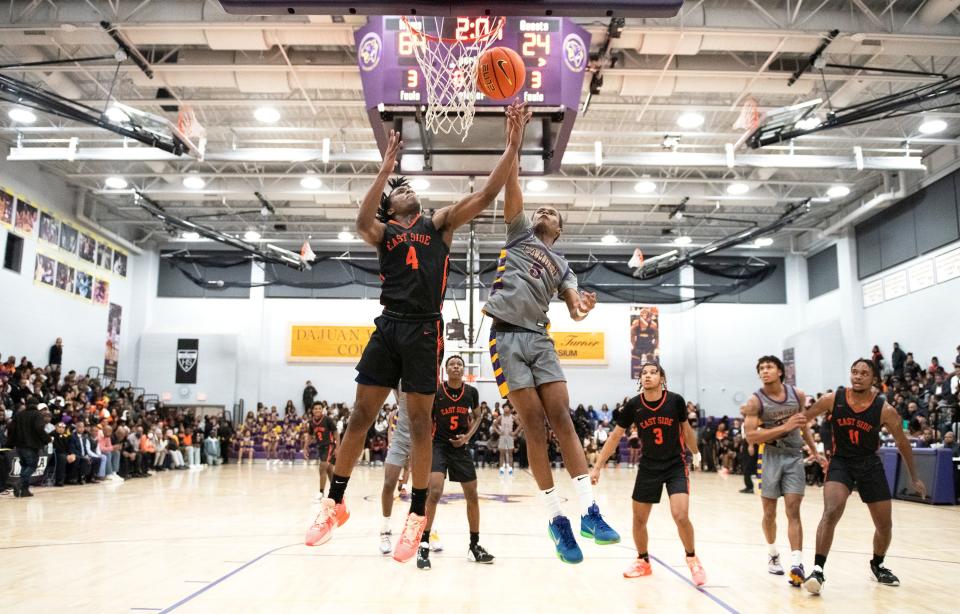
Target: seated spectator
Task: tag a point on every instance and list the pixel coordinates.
(83, 468)
(173, 450)
(62, 454)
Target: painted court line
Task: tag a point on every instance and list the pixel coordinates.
(713, 597)
(196, 594)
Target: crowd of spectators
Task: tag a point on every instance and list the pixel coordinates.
(88, 432)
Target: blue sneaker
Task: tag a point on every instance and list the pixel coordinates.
(562, 535)
(596, 528)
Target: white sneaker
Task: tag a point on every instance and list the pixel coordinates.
(385, 546)
(501, 471)
(774, 566)
(435, 545)
(510, 469)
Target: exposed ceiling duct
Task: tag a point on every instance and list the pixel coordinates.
(935, 11)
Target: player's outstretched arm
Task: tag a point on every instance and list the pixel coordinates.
(891, 419)
(450, 218)
(369, 227)
(613, 440)
(513, 195)
(822, 406)
(579, 303)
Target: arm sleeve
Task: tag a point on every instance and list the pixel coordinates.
(628, 414)
(569, 281)
(518, 226)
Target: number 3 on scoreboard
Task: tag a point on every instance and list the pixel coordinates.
(412, 258)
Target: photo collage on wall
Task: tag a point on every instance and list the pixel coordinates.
(68, 259)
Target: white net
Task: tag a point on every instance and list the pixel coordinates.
(449, 67)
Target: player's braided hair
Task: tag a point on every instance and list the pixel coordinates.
(393, 184)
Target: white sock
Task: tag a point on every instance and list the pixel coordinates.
(581, 484)
(796, 558)
(552, 502)
(385, 526)
(772, 550)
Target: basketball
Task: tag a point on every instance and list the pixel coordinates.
(500, 73)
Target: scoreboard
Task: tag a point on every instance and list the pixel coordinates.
(555, 52)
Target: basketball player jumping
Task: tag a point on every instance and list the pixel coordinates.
(525, 362)
(773, 419)
(665, 435)
(855, 416)
(456, 417)
(407, 344)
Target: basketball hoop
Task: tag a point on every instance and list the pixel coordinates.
(449, 67)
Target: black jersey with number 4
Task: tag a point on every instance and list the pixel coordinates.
(451, 411)
(659, 424)
(413, 267)
(856, 433)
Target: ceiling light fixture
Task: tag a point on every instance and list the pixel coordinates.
(115, 183)
(609, 239)
(682, 241)
(420, 184)
(21, 115)
(690, 120)
(251, 235)
(194, 181)
(190, 236)
(310, 182)
(597, 154)
(325, 150)
(345, 235)
(645, 186)
(932, 126)
(536, 185)
(267, 115)
(736, 189)
(838, 191)
(763, 242)
(808, 123)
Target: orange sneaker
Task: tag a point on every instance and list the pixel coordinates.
(331, 516)
(639, 567)
(696, 571)
(409, 540)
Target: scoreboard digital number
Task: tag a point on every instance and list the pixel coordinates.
(555, 52)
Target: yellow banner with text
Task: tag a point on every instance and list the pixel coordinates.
(327, 343)
(581, 348)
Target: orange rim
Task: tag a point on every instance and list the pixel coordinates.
(450, 41)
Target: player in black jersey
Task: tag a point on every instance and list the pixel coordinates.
(323, 430)
(407, 344)
(456, 417)
(665, 435)
(856, 416)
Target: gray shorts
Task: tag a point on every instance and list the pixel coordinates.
(505, 442)
(399, 450)
(523, 360)
(781, 474)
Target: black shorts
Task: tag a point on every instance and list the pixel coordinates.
(653, 475)
(866, 474)
(325, 452)
(454, 462)
(405, 350)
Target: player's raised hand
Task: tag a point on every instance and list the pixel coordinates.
(595, 475)
(517, 118)
(394, 145)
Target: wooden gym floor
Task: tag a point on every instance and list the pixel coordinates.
(230, 539)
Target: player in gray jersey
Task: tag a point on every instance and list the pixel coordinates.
(529, 274)
(773, 419)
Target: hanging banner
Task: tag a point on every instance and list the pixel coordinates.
(789, 367)
(322, 343)
(644, 338)
(112, 355)
(580, 348)
(188, 353)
